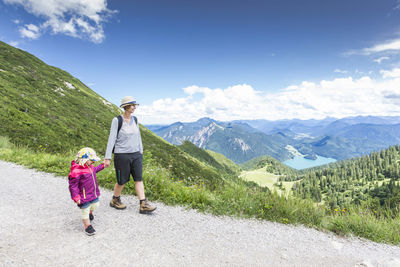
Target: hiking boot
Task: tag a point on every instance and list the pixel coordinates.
(116, 203)
(90, 230)
(146, 208)
(91, 217)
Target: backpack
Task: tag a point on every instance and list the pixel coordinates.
(120, 121)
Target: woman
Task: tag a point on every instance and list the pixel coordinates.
(128, 155)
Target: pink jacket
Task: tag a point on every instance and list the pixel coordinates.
(83, 182)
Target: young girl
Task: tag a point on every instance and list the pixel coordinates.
(83, 185)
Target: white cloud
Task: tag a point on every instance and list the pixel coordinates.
(337, 98)
(17, 21)
(394, 73)
(76, 18)
(388, 46)
(30, 31)
(379, 60)
(340, 71)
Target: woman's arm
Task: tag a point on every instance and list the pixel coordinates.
(140, 140)
(112, 138)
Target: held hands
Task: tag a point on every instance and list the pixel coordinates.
(107, 163)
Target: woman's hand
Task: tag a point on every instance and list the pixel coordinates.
(107, 163)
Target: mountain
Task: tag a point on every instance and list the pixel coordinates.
(242, 140)
(343, 141)
(295, 126)
(46, 109)
(216, 160)
(237, 141)
(316, 128)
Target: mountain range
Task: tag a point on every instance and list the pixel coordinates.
(242, 140)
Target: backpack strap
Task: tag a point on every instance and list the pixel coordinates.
(135, 119)
(120, 120)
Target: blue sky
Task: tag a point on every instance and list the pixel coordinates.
(226, 59)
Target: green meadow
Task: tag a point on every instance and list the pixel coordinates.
(269, 180)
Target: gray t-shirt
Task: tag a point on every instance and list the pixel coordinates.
(128, 139)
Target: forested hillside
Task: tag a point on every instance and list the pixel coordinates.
(372, 180)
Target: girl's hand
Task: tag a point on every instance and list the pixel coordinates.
(107, 163)
(77, 199)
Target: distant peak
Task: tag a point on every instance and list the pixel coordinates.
(205, 120)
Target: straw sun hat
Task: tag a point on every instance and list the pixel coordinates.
(128, 100)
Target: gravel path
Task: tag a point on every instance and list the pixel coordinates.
(40, 226)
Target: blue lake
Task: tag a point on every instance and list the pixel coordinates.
(299, 163)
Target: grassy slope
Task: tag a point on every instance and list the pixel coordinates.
(215, 160)
(41, 111)
(224, 161)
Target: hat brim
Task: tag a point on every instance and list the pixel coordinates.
(129, 103)
(95, 159)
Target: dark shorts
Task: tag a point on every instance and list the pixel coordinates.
(126, 164)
